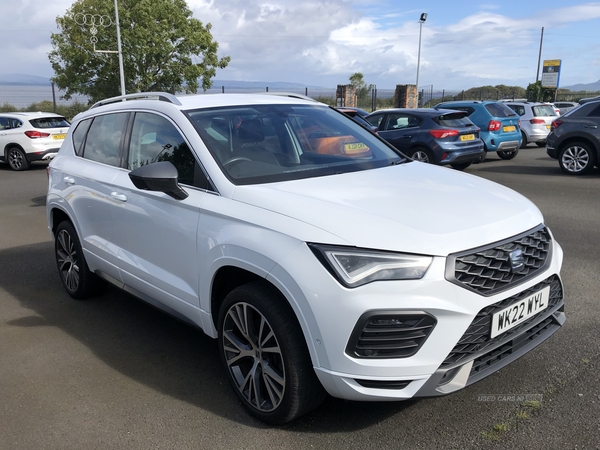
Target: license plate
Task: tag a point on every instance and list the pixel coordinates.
(58, 136)
(519, 312)
(355, 147)
(548, 126)
(467, 137)
(509, 128)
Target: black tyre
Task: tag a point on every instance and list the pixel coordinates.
(420, 154)
(524, 141)
(16, 158)
(481, 158)
(462, 166)
(577, 158)
(507, 154)
(265, 355)
(74, 273)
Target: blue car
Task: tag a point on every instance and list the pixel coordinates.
(442, 137)
(500, 128)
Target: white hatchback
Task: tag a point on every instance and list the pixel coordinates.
(30, 136)
(321, 258)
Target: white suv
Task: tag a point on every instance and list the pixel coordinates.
(535, 120)
(320, 257)
(30, 136)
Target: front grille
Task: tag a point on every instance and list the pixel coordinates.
(476, 341)
(488, 270)
(389, 335)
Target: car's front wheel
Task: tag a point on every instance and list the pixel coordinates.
(507, 154)
(78, 280)
(265, 355)
(16, 158)
(577, 158)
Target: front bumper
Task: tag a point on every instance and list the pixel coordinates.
(429, 372)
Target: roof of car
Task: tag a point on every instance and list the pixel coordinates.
(30, 114)
(209, 100)
(423, 111)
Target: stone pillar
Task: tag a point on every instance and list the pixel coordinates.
(406, 96)
(345, 95)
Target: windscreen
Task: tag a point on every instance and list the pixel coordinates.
(543, 110)
(49, 122)
(454, 120)
(267, 143)
(500, 110)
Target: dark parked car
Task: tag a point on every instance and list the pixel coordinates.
(589, 99)
(499, 125)
(358, 115)
(574, 139)
(442, 137)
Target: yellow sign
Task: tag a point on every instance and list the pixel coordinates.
(551, 62)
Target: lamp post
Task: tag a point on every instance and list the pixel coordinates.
(421, 22)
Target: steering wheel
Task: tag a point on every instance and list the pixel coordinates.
(235, 160)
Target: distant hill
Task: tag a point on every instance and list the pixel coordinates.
(591, 87)
(22, 79)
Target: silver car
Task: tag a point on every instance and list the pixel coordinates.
(535, 121)
(565, 107)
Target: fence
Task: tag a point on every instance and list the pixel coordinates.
(21, 96)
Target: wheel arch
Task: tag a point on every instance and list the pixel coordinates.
(580, 138)
(231, 275)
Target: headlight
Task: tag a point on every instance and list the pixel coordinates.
(354, 267)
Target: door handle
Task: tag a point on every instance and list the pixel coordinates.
(119, 197)
(592, 126)
(69, 180)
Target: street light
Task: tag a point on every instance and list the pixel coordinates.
(421, 22)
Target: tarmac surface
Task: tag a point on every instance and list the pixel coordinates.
(114, 373)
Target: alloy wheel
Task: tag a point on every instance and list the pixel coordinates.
(420, 155)
(253, 357)
(575, 159)
(66, 256)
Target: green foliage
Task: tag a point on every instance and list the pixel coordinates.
(363, 90)
(537, 93)
(328, 100)
(161, 44)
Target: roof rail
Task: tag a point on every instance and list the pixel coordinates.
(161, 96)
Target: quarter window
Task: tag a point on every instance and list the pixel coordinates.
(79, 136)
(104, 139)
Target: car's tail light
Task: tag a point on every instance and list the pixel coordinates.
(555, 124)
(494, 125)
(537, 121)
(34, 134)
(441, 134)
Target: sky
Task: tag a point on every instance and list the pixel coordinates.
(323, 42)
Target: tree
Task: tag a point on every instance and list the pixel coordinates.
(362, 90)
(164, 49)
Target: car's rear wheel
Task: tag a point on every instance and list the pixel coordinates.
(524, 141)
(79, 281)
(420, 154)
(577, 158)
(507, 154)
(16, 158)
(265, 355)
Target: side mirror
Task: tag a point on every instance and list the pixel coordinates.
(159, 177)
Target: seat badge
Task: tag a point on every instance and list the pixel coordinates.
(517, 260)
